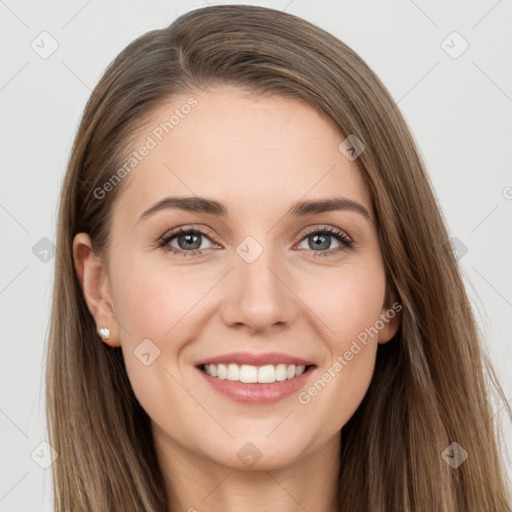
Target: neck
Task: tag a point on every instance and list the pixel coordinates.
(196, 484)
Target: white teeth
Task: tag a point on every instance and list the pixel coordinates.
(233, 372)
(281, 372)
(251, 374)
(248, 374)
(222, 371)
(266, 374)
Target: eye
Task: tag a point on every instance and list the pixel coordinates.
(321, 238)
(187, 241)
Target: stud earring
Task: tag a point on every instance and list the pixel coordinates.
(104, 333)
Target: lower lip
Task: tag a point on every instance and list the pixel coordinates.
(257, 393)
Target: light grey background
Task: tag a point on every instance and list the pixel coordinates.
(459, 110)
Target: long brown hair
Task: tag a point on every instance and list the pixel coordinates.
(429, 388)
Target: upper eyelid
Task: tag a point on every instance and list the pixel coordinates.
(187, 229)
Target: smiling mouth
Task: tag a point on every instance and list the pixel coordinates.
(249, 374)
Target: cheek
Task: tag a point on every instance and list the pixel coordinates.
(349, 308)
(159, 308)
(152, 300)
(151, 308)
(348, 303)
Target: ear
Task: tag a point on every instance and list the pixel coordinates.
(390, 317)
(94, 280)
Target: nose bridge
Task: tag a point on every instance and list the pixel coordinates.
(258, 295)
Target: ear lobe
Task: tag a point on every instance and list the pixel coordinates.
(390, 317)
(94, 282)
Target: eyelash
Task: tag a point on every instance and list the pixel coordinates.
(339, 235)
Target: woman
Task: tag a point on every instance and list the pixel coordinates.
(256, 303)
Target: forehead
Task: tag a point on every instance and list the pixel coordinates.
(246, 150)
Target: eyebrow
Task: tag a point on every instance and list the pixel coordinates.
(212, 207)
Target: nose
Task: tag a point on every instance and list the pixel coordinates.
(259, 295)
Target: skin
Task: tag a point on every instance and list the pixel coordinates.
(258, 156)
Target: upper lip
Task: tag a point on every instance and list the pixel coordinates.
(255, 359)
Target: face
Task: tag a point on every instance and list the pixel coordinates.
(250, 284)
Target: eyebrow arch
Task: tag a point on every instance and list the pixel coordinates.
(212, 207)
